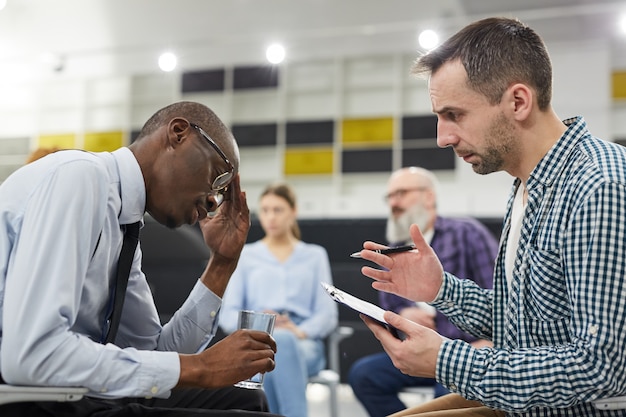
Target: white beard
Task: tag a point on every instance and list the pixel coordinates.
(398, 227)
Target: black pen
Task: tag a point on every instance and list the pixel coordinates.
(387, 251)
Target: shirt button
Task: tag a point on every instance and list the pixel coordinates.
(213, 314)
(593, 329)
(453, 387)
(450, 304)
(103, 390)
(154, 390)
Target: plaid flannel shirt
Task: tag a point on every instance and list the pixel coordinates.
(559, 331)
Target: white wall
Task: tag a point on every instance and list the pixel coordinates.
(581, 87)
(582, 76)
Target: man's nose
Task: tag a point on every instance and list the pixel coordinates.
(445, 135)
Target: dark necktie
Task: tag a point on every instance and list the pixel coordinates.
(131, 238)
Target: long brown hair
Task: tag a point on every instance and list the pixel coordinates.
(285, 192)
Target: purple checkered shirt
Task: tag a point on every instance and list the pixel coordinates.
(466, 249)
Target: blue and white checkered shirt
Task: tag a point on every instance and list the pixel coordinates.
(560, 329)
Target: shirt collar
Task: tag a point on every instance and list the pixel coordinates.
(554, 162)
(132, 186)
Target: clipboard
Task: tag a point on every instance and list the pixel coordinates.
(361, 306)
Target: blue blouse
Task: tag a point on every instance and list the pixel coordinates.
(262, 282)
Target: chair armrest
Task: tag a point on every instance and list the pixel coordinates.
(15, 393)
(334, 339)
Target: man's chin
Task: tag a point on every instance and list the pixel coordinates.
(170, 222)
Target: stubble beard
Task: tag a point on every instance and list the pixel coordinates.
(499, 141)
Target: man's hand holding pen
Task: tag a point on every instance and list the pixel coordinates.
(414, 274)
(387, 251)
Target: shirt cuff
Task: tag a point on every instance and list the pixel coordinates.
(442, 289)
(454, 368)
(160, 375)
(202, 307)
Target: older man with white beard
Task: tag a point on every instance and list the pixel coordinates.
(464, 246)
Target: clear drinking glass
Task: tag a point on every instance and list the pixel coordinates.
(255, 321)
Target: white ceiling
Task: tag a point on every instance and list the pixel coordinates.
(126, 36)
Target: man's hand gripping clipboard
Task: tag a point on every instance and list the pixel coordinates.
(361, 306)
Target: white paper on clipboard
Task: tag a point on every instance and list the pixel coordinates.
(355, 303)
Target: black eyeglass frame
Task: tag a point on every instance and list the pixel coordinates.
(400, 193)
(220, 184)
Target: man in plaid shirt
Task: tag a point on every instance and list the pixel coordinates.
(556, 312)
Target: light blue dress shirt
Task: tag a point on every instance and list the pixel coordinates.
(60, 239)
(262, 282)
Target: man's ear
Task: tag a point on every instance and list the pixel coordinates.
(521, 97)
(177, 131)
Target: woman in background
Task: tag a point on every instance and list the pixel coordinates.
(281, 274)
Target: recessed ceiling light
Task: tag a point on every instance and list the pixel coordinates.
(428, 39)
(622, 23)
(275, 53)
(167, 61)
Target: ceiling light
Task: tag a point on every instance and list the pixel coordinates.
(622, 23)
(167, 61)
(275, 53)
(428, 39)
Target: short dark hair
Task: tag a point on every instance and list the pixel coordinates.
(194, 112)
(495, 52)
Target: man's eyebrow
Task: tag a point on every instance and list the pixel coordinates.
(444, 109)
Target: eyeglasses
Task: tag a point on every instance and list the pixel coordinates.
(401, 192)
(220, 183)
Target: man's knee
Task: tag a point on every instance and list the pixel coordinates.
(359, 375)
(255, 398)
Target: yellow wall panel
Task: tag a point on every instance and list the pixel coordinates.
(309, 161)
(619, 84)
(361, 132)
(103, 141)
(65, 141)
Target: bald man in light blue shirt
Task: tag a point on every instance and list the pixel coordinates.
(61, 231)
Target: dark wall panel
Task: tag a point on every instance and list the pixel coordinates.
(419, 127)
(299, 133)
(208, 80)
(255, 134)
(429, 158)
(255, 77)
(370, 160)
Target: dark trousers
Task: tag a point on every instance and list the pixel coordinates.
(376, 383)
(228, 402)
